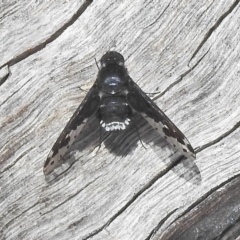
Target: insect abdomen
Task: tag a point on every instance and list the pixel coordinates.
(114, 113)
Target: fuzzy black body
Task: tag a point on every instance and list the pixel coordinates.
(114, 98)
(112, 82)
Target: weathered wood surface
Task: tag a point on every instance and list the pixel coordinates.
(187, 50)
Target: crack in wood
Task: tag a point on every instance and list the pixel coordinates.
(10, 96)
(214, 27)
(12, 220)
(72, 196)
(160, 15)
(159, 225)
(230, 131)
(205, 196)
(132, 200)
(54, 36)
(16, 161)
(4, 74)
(180, 77)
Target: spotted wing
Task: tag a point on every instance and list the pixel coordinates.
(87, 108)
(141, 103)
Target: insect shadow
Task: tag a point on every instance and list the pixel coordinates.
(180, 165)
(121, 143)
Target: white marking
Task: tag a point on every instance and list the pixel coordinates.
(127, 121)
(112, 126)
(75, 133)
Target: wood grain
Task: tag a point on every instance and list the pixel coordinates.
(188, 51)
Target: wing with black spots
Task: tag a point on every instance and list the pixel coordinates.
(87, 108)
(141, 103)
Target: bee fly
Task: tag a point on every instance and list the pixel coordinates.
(114, 98)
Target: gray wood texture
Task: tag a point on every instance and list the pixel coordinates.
(188, 52)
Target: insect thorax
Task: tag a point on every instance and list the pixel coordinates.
(114, 113)
(112, 79)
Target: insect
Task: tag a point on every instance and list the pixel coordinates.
(114, 98)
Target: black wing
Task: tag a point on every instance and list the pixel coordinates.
(141, 103)
(87, 108)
